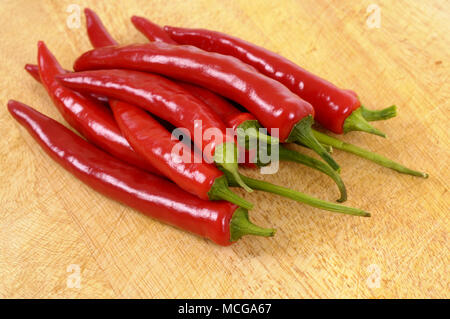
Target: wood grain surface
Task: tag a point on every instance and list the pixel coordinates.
(51, 224)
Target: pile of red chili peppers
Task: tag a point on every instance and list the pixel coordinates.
(125, 100)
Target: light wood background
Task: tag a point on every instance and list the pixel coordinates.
(49, 220)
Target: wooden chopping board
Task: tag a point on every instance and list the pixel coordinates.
(61, 239)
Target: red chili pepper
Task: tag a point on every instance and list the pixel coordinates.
(233, 117)
(271, 102)
(220, 221)
(96, 30)
(152, 141)
(92, 120)
(335, 109)
(166, 100)
(151, 31)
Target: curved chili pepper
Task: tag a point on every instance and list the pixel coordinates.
(271, 102)
(236, 119)
(166, 100)
(153, 142)
(96, 29)
(220, 221)
(335, 109)
(92, 120)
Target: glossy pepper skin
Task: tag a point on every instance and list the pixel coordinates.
(33, 70)
(233, 116)
(151, 31)
(154, 32)
(93, 120)
(151, 195)
(270, 101)
(332, 105)
(154, 93)
(284, 114)
(153, 142)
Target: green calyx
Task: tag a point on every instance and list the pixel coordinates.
(374, 157)
(298, 196)
(378, 115)
(219, 190)
(302, 133)
(357, 122)
(240, 225)
(226, 158)
(297, 157)
(249, 130)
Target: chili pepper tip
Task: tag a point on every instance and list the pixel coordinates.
(301, 133)
(241, 225)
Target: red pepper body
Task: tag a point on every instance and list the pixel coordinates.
(153, 142)
(332, 105)
(95, 27)
(92, 120)
(152, 195)
(272, 103)
(33, 70)
(100, 37)
(152, 31)
(156, 94)
(229, 115)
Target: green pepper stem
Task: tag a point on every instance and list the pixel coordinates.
(356, 122)
(225, 157)
(297, 157)
(219, 190)
(374, 157)
(240, 225)
(250, 130)
(301, 133)
(378, 115)
(298, 196)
